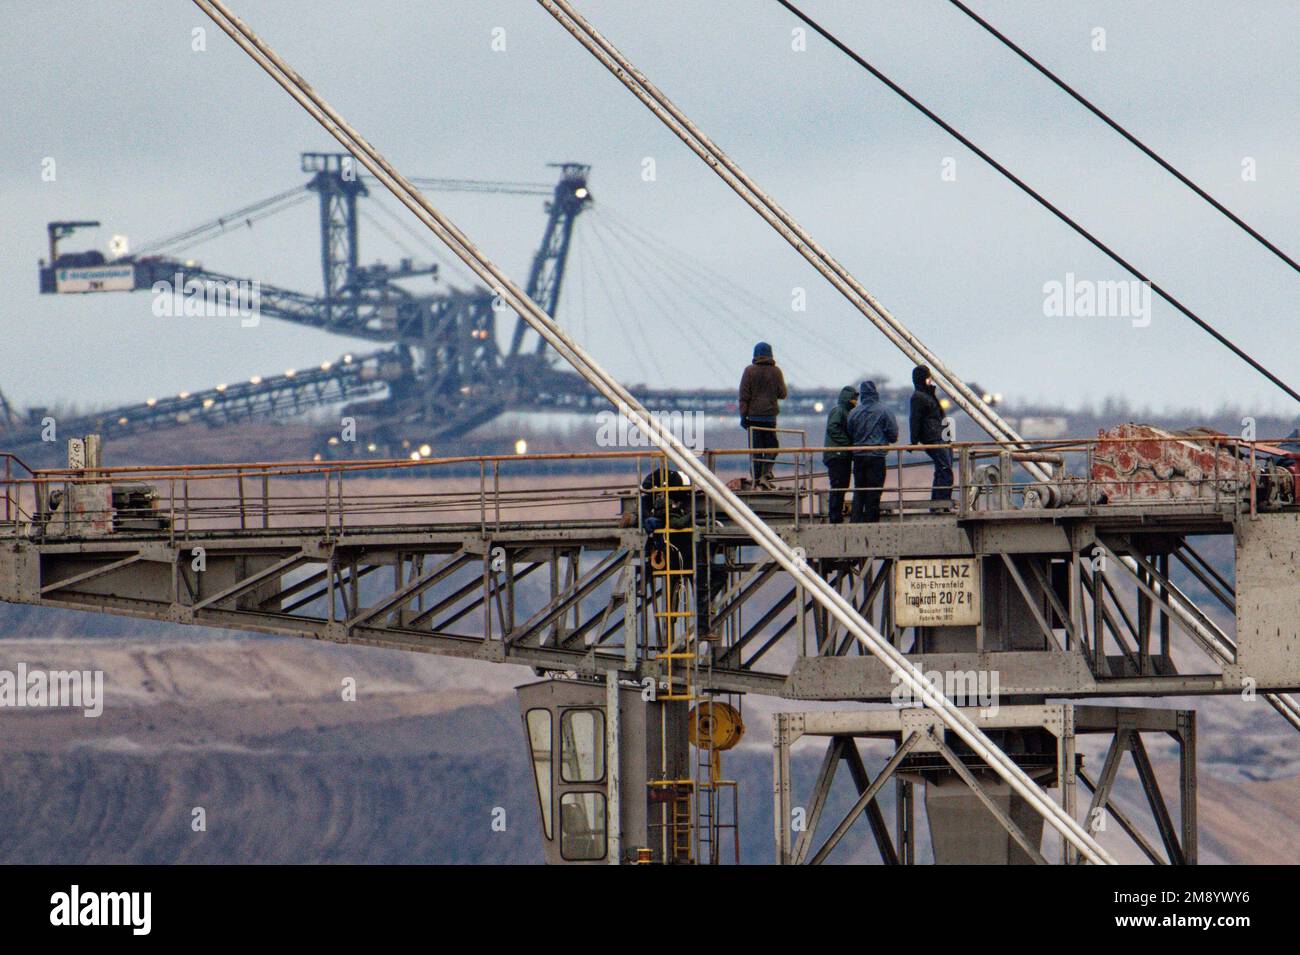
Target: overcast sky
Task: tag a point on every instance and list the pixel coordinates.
(150, 136)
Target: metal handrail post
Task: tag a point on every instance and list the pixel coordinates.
(1005, 482)
(1216, 475)
(796, 490)
(1254, 492)
(1088, 487)
(898, 481)
(964, 463)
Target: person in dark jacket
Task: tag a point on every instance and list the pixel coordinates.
(870, 423)
(926, 420)
(762, 387)
(839, 464)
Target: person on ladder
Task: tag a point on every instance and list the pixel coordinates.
(709, 578)
(762, 388)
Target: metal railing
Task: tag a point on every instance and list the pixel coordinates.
(992, 476)
(13, 508)
(491, 491)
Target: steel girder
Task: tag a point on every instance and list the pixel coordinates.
(485, 600)
(915, 733)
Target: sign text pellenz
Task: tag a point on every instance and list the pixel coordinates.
(937, 592)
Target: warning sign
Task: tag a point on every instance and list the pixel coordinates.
(937, 592)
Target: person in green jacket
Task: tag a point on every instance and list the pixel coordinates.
(839, 464)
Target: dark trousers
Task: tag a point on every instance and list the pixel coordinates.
(941, 489)
(868, 481)
(710, 580)
(841, 472)
(762, 435)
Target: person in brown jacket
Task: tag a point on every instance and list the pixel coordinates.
(762, 387)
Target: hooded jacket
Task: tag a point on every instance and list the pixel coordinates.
(837, 427)
(871, 422)
(925, 413)
(762, 387)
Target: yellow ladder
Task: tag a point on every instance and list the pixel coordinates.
(676, 798)
(680, 664)
(682, 834)
(671, 562)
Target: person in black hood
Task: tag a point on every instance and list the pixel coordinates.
(926, 419)
(839, 464)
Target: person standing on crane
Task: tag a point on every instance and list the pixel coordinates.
(870, 424)
(839, 464)
(762, 388)
(926, 419)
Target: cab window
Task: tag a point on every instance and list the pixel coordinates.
(582, 734)
(539, 741)
(582, 826)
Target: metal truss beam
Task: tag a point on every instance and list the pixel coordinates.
(866, 798)
(411, 590)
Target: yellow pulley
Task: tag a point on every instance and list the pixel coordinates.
(716, 726)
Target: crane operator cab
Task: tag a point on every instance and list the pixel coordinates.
(601, 755)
